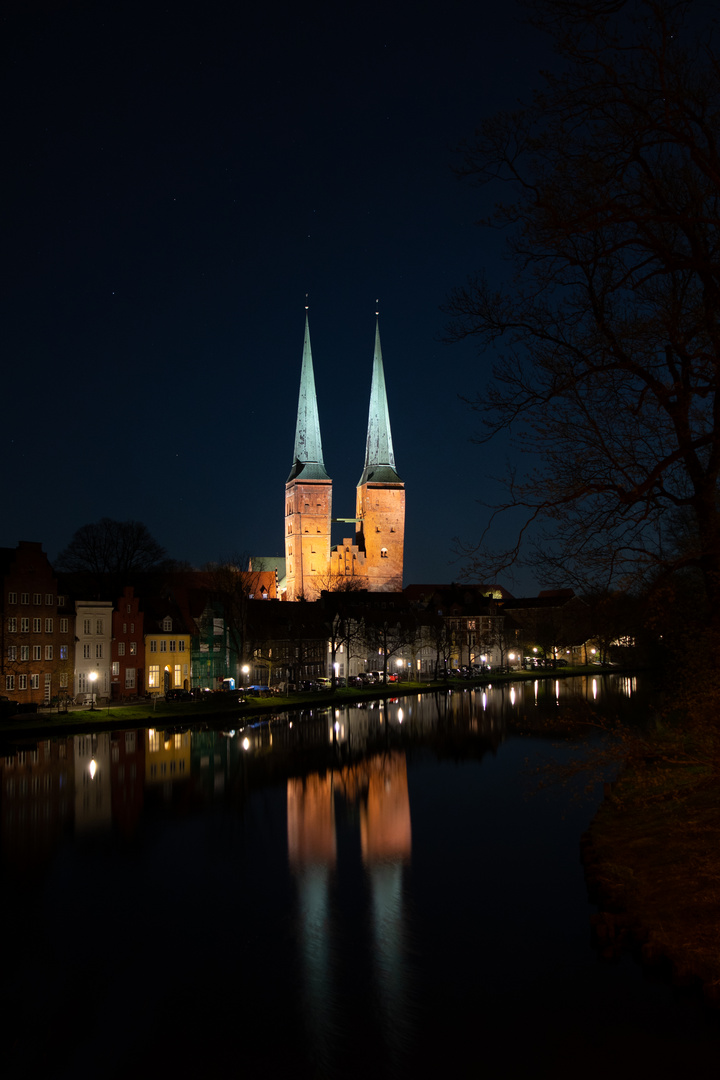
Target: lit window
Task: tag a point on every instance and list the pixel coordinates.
(63, 652)
(133, 648)
(116, 667)
(383, 553)
(178, 677)
(154, 675)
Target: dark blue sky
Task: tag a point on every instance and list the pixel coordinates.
(177, 178)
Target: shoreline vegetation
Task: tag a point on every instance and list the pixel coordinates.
(650, 854)
(652, 867)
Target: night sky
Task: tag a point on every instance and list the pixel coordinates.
(177, 177)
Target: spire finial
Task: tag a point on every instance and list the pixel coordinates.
(307, 306)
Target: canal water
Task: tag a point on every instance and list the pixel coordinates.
(382, 891)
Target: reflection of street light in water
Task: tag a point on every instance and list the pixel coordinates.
(91, 678)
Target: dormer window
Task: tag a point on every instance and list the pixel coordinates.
(167, 624)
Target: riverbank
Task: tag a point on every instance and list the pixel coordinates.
(217, 708)
(653, 866)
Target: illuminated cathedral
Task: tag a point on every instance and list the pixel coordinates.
(373, 556)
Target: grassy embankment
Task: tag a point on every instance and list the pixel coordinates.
(219, 707)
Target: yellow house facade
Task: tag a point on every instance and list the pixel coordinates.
(167, 657)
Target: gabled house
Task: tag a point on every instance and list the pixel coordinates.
(168, 639)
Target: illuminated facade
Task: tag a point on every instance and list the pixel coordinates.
(167, 652)
(373, 557)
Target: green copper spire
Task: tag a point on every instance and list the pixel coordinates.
(379, 457)
(308, 456)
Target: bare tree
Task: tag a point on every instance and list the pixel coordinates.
(116, 548)
(607, 336)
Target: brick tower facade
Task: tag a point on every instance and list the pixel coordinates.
(374, 556)
(308, 496)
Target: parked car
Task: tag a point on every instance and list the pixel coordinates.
(178, 695)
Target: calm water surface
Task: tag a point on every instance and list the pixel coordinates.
(369, 892)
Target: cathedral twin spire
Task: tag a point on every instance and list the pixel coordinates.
(308, 457)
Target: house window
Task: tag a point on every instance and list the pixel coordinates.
(167, 624)
(12, 652)
(37, 599)
(49, 598)
(130, 678)
(116, 667)
(121, 648)
(22, 682)
(63, 681)
(128, 608)
(124, 628)
(36, 652)
(48, 626)
(154, 675)
(37, 626)
(24, 626)
(133, 648)
(181, 646)
(12, 598)
(63, 652)
(9, 682)
(34, 682)
(172, 646)
(98, 651)
(163, 645)
(99, 626)
(87, 626)
(178, 677)
(24, 597)
(63, 626)
(153, 646)
(24, 652)
(86, 652)
(12, 626)
(62, 600)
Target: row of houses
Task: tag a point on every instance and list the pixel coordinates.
(193, 629)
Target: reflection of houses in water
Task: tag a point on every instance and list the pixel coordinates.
(36, 803)
(127, 770)
(167, 757)
(93, 790)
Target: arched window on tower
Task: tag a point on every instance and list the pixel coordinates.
(383, 553)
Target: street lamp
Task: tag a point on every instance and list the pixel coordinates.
(245, 671)
(92, 677)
